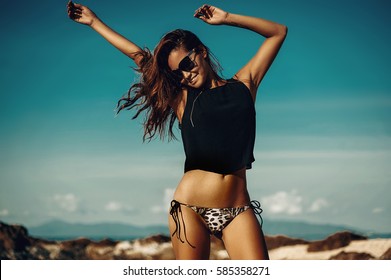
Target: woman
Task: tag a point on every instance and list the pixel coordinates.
(180, 81)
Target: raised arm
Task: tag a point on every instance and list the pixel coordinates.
(84, 15)
(254, 71)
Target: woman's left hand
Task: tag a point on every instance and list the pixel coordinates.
(211, 14)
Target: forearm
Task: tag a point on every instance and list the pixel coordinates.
(263, 27)
(117, 40)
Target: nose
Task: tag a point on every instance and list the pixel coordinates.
(186, 75)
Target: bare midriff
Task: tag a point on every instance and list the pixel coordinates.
(208, 189)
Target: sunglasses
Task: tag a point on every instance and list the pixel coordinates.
(186, 64)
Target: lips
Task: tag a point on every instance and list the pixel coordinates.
(192, 79)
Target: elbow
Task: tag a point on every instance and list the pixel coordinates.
(280, 31)
(283, 31)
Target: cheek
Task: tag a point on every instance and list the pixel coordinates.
(202, 73)
(203, 67)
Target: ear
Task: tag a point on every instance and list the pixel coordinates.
(203, 51)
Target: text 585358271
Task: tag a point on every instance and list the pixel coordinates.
(242, 270)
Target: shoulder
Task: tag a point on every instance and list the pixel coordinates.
(247, 82)
(178, 103)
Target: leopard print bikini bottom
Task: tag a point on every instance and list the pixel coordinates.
(216, 219)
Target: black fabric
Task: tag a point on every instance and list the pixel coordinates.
(218, 128)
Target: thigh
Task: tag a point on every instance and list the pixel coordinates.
(192, 230)
(246, 228)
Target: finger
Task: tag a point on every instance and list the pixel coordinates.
(78, 5)
(205, 8)
(74, 17)
(208, 10)
(203, 14)
(71, 5)
(203, 18)
(74, 14)
(198, 13)
(76, 11)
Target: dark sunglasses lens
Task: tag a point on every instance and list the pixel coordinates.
(186, 64)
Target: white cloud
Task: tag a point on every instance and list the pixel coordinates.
(167, 197)
(4, 213)
(318, 204)
(68, 202)
(156, 209)
(115, 206)
(283, 203)
(377, 210)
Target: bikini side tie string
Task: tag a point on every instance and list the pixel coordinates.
(256, 206)
(175, 212)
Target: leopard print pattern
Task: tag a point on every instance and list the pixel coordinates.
(217, 219)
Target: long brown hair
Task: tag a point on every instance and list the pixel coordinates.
(157, 88)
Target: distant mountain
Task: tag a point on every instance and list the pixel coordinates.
(60, 230)
(312, 231)
(304, 230)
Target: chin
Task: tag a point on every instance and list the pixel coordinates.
(198, 82)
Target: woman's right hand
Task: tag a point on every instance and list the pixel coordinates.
(80, 13)
(84, 15)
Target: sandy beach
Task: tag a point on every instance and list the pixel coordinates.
(17, 244)
(373, 247)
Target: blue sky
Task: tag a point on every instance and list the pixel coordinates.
(323, 149)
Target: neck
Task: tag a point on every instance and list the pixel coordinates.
(213, 82)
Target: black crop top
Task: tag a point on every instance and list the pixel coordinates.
(218, 128)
